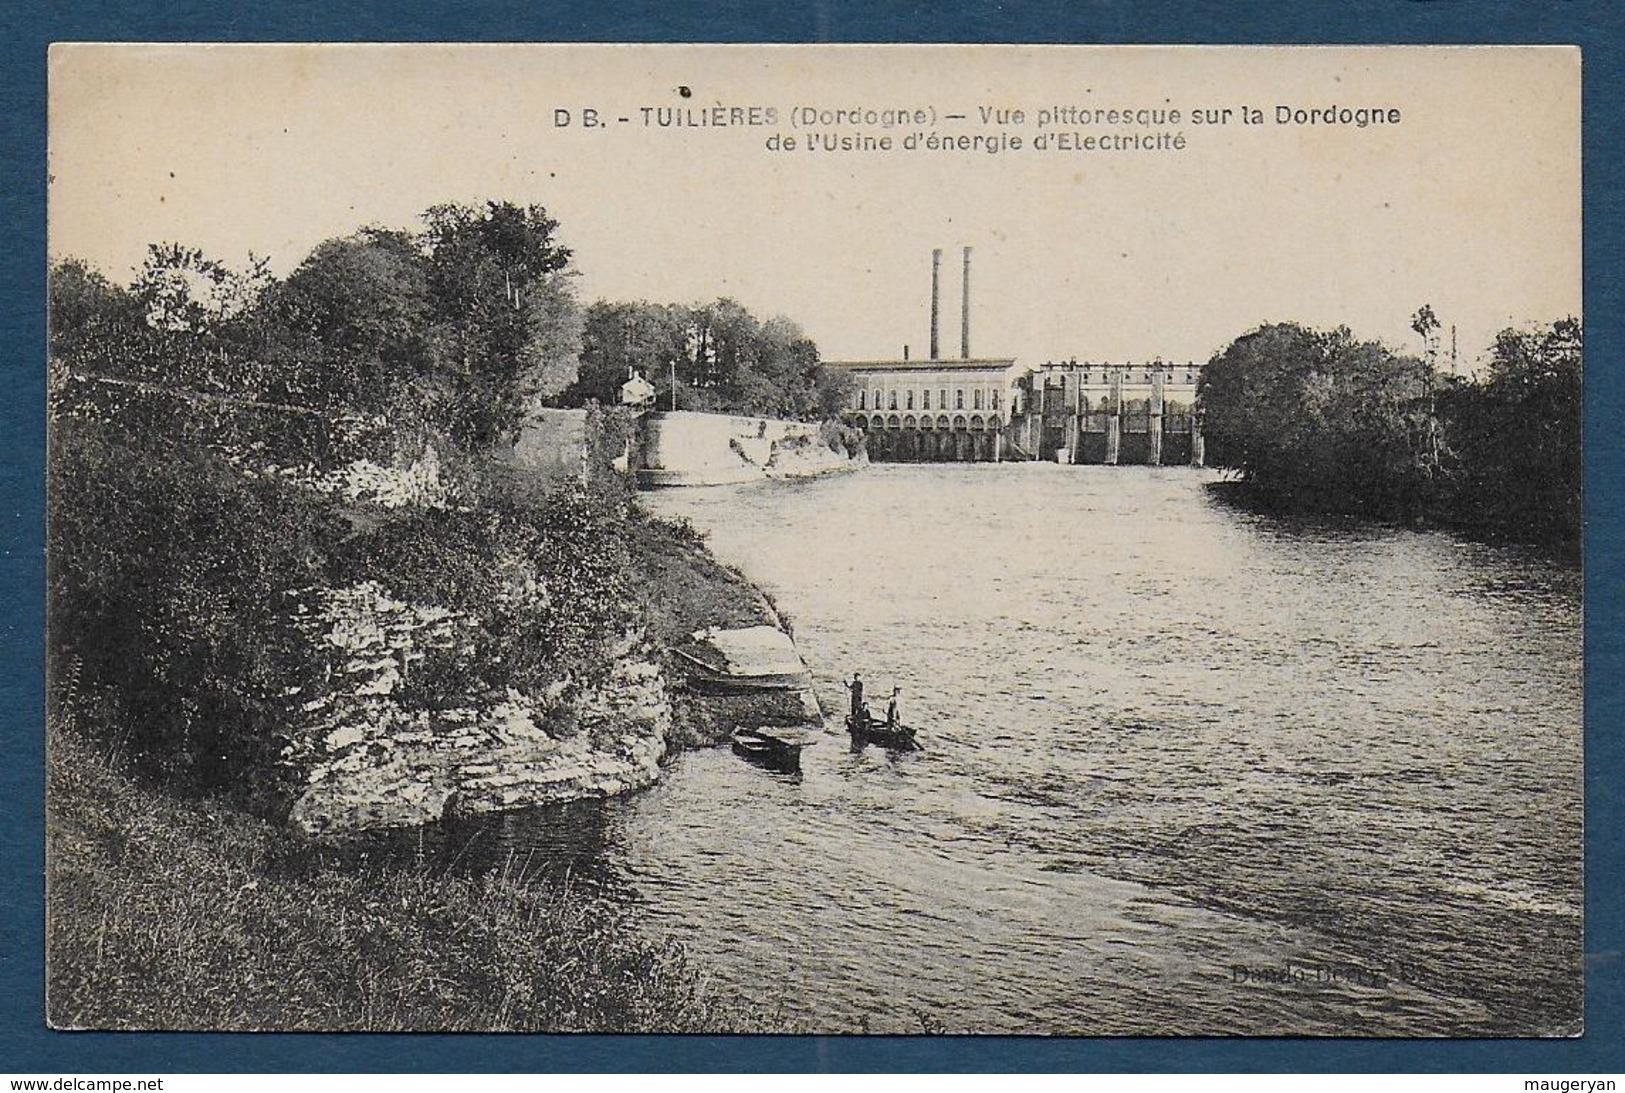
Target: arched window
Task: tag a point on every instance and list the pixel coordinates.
(942, 399)
(925, 399)
(893, 405)
(863, 400)
(959, 399)
(995, 400)
(976, 399)
(910, 398)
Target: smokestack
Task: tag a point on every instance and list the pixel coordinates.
(936, 280)
(964, 312)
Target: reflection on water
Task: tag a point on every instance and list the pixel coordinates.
(1186, 770)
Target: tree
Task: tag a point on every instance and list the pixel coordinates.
(1516, 437)
(90, 319)
(1426, 324)
(507, 328)
(1321, 420)
(184, 291)
(619, 339)
(723, 357)
(352, 323)
(202, 318)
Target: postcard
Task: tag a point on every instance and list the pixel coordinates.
(1060, 541)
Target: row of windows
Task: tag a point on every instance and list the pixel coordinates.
(976, 422)
(865, 397)
(1128, 377)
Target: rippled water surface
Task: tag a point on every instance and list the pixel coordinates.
(1186, 770)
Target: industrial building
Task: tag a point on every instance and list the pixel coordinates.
(980, 409)
(934, 410)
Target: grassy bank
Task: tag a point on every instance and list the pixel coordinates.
(681, 585)
(173, 914)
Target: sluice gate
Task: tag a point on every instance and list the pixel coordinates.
(1113, 414)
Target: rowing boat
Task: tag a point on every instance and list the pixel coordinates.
(872, 730)
(776, 747)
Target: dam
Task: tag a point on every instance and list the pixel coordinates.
(690, 448)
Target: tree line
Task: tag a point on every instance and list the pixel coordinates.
(1322, 421)
(463, 325)
(714, 357)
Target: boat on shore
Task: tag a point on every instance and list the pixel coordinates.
(873, 730)
(776, 747)
(748, 660)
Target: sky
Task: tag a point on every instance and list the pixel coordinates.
(1470, 202)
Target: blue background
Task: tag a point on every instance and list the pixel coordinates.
(26, 30)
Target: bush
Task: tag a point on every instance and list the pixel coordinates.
(167, 579)
(841, 438)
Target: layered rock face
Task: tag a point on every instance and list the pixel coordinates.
(365, 755)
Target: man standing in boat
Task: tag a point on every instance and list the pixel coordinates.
(891, 708)
(856, 687)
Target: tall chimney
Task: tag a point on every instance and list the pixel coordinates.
(936, 279)
(964, 312)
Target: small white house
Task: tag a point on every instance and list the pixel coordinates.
(637, 392)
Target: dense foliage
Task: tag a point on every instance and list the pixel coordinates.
(721, 357)
(1514, 437)
(198, 412)
(211, 561)
(1320, 418)
(1321, 421)
(168, 576)
(462, 325)
(175, 582)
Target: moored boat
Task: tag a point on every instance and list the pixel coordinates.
(742, 661)
(776, 747)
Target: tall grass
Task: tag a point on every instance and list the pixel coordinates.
(174, 914)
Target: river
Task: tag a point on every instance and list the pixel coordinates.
(1186, 770)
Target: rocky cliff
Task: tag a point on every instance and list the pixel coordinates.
(365, 755)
